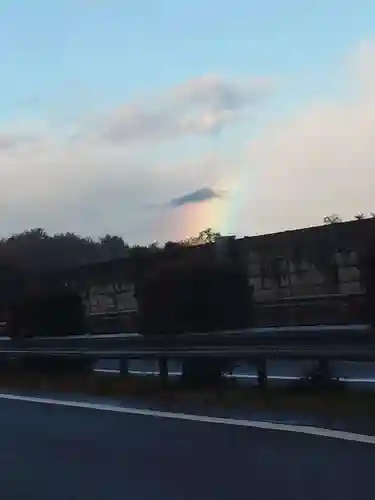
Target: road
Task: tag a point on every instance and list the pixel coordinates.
(65, 453)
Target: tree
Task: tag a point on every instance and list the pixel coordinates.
(367, 270)
(194, 296)
(40, 314)
(206, 236)
(332, 219)
(360, 216)
(154, 246)
(113, 247)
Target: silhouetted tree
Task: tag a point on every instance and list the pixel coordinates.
(113, 247)
(72, 260)
(206, 236)
(332, 219)
(360, 216)
(367, 270)
(195, 296)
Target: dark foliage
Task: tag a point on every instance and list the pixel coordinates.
(53, 261)
(46, 315)
(12, 282)
(37, 250)
(368, 281)
(197, 296)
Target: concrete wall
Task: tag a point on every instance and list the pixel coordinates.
(304, 280)
(342, 243)
(328, 260)
(106, 298)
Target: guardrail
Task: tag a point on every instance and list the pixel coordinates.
(323, 343)
(304, 341)
(249, 353)
(247, 336)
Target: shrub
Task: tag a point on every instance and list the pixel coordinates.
(367, 267)
(47, 315)
(195, 297)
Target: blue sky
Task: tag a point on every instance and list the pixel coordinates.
(113, 50)
(71, 66)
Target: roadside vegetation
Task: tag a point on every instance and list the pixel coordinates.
(338, 405)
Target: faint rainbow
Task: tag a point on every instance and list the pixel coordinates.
(218, 213)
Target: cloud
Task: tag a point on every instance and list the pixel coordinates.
(12, 141)
(319, 161)
(199, 196)
(21, 136)
(122, 167)
(93, 190)
(201, 106)
(101, 178)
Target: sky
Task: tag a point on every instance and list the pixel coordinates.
(156, 119)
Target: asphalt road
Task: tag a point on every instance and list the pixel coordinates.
(60, 453)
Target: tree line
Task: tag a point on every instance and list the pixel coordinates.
(36, 249)
(335, 218)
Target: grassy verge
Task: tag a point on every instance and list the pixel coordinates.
(343, 405)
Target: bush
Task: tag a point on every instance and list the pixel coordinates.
(47, 315)
(367, 266)
(195, 297)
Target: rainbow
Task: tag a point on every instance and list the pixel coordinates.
(220, 214)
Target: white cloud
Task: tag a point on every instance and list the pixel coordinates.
(201, 106)
(98, 180)
(320, 161)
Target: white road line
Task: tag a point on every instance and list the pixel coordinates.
(302, 429)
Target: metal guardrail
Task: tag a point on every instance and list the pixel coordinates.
(347, 342)
(246, 335)
(290, 352)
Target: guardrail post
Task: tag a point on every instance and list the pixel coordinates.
(261, 367)
(163, 370)
(124, 367)
(321, 376)
(324, 370)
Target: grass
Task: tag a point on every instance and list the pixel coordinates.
(345, 405)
